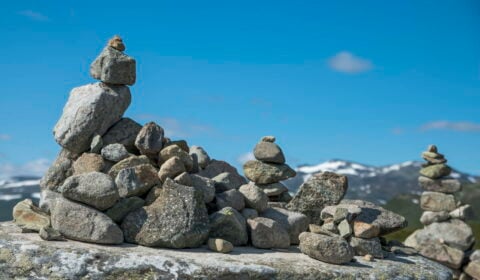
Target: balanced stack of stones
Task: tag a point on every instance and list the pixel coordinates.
(446, 237)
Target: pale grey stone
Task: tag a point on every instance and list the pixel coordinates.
(175, 151)
(115, 152)
(59, 171)
(335, 250)
(123, 132)
(445, 185)
(435, 201)
(294, 222)
(429, 217)
(268, 234)
(227, 181)
(231, 198)
(114, 67)
(364, 247)
(254, 197)
(274, 189)
(454, 233)
(29, 217)
(205, 185)
(137, 180)
(269, 152)
(267, 173)
(230, 225)
(171, 168)
(97, 144)
(200, 156)
(149, 140)
(345, 229)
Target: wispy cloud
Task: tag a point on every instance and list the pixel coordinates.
(34, 15)
(348, 63)
(452, 126)
(32, 168)
(5, 137)
(175, 128)
(398, 131)
(245, 157)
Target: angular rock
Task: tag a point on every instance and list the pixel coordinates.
(153, 194)
(269, 152)
(79, 222)
(364, 247)
(137, 180)
(267, 173)
(115, 152)
(254, 197)
(95, 189)
(229, 225)
(462, 213)
(127, 163)
(114, 67)
(227, 181)
(182, 144)
(59, 171)
(335, 250)
(123, 132)
(330, 211)
(473, 269)
(200, 156)
(28, 216)
(330, 226)
(365, 230)
(88, 162)
(175, 151)
(436, 202)
(184, 179)
(270, 139)
(443, 254)
(475, 256)
(123, 207)
(342, 214)
(149, 140)
(171, 169)
(50, 234)
(47, 200)
(219, 245)
(294, 222)
(313, 228)
(344, 229)
(436, 171)
(216, 167)
(91, 109)
(231, 198)
(249, 213)
(454, 233)
(205, 185)
(177, 219)
(320, 190)
(284, 197)
(97, 144)
(447, 185)
(267, 234)
(273, 189)
(429, 217)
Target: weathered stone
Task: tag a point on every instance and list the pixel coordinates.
(365, 230)
(115, 152)
(79, 222)
(433, 158)
(95, 189)
(200, 156)
(254, 197)
(88, 162)
(220, 246)
(182, 144)
(177, 219)
(171, 169)
(313, 228)
(344, 229)
(127, 163)
(270, 139)
(231, 198)
(137, 180)
(153, 194)
(249, 213)
(97, 144)
(227, 181)
(429, 217)
(59, 171)
(446, 185)
(342, 214)
(443, 254)
(28, 216)
(267, 173)
(463, 213)
(114, 67)
(268, 234)
(273, 189)
(454, 233)
(320, 190)
(205, 185)
(47, 200)
(436, 171)
(331, 227)
(473, 269)
(123, 132)
(335, 250)
(117, 43)
(175, 151)
(184, 179)
(436, 202)
(91, 109)
(269, 152)
(475, 256)
(149, 140)
(364, 247)
(216, 167)
(123, 207)
(273, 204)
(230, 225)
(294, 222)
(50, 234)
(330, 211)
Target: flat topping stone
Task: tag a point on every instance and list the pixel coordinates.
(114, 67)
(269, 152)
(267, 173)
(436, 171)
(435, 201)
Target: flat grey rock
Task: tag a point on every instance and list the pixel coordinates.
(73, 260)
(114, 67)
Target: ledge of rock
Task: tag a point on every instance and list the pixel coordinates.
(27, 256)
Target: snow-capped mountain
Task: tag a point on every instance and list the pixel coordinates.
(372, 183)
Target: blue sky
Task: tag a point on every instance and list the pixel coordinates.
(369, 81)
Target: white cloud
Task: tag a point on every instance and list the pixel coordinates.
(346, 62)
(5, 137)
(34, 15)
(175, 128)
(245, 157)
(452, 126)
(32, 168)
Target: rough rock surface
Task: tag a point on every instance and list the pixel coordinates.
(329, 249)
(435, 201)
(199, 156)
(136, 181)
(266, 233)
(90, 109)
(30, 217)
(149, 140)
(447, 185)
(27, 256)
(227, 181)
(123, 132)
(255, 198)
(269, 152)
(267, 173)
(454, 233)
(127, 163)
(88, 162)
(294, 222)
(115, 152)
(230, 225)
(60, 170)
(112, 66)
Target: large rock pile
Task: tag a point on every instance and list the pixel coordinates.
(446, 237)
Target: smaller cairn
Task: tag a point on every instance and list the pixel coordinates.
(446, 238)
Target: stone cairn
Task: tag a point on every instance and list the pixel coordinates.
(446, 238)
(117, 181)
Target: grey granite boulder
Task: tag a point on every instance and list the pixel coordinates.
(442, 253)
(320, 190)
(364, 247)
(47, 200)
(216, 167)
(177, 219)
(254, 197)
(184, 179)
(454, 233)
(95, 189)
(205, 185)
(29, 217)
(436, 171)
(230, 225)
(123, 207)
(274, 189)
(59, 171)
(267, 173)
(429, 217)
(294, 222)
(329, 249)
(268, 234)
(114, 67)
(231, 198)
(227, 181)
(200, 156)
(269, 152)
(149, 140)
(171, 168)
(127, 163)
(435, 201)
(91, 109)
(79, 222)
(88, 162)
(115, 152)
(175, 151)
(123, 132)
(137, 180)
(446, 185)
